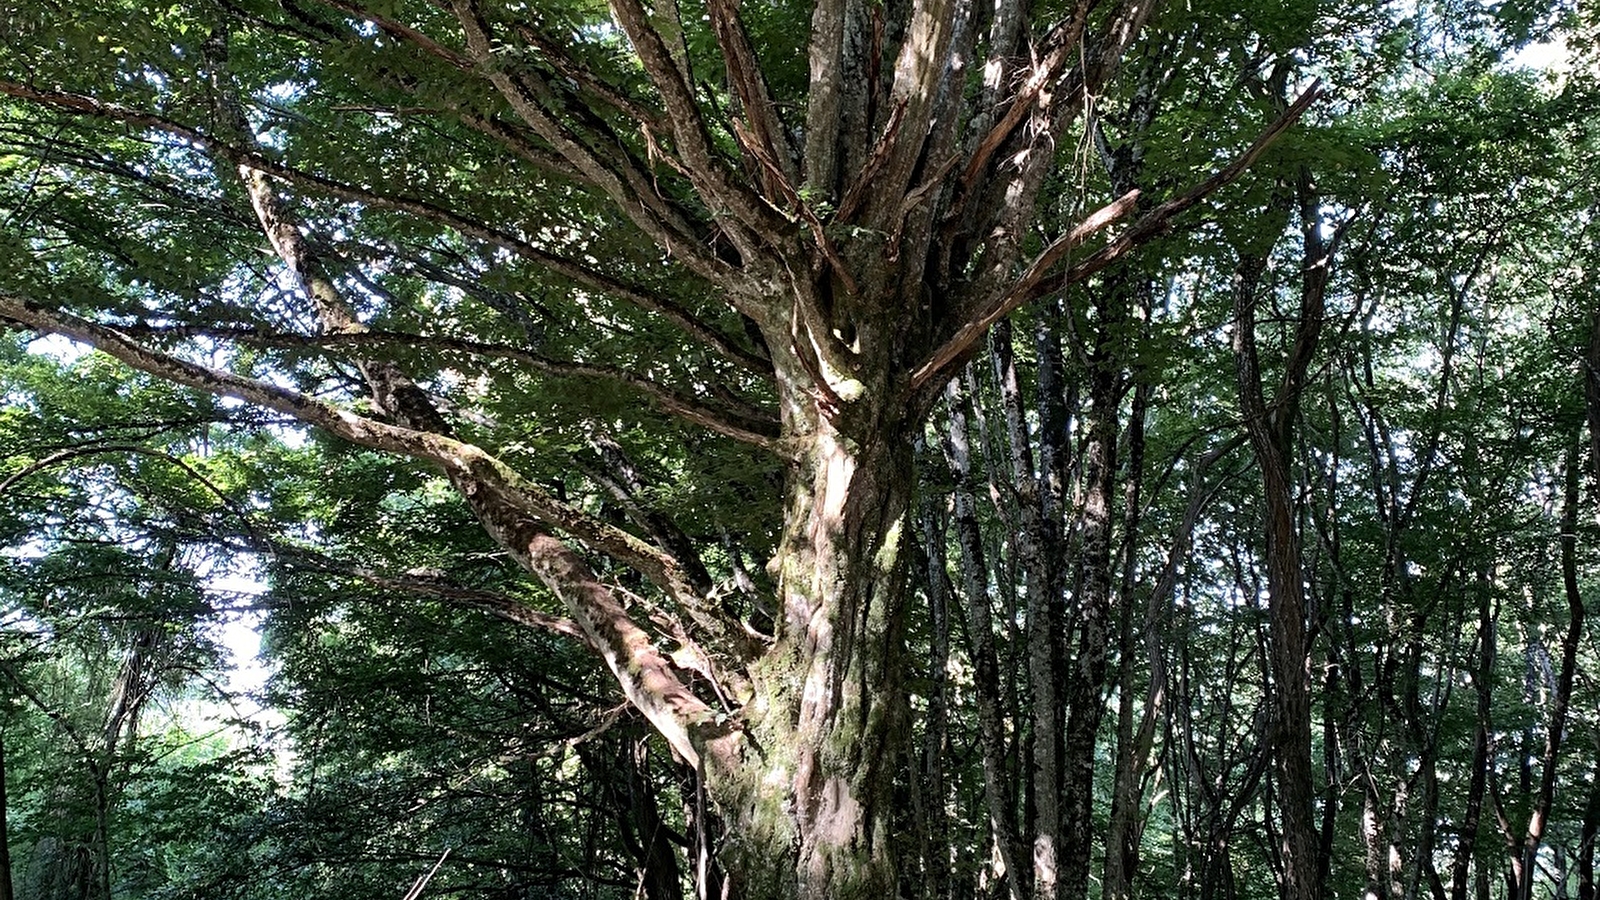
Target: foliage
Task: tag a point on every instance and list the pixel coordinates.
(1032, 595)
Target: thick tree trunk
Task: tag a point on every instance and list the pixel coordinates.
(809, 795)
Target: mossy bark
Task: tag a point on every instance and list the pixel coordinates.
(808, 798)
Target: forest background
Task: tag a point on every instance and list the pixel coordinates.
(919, 448)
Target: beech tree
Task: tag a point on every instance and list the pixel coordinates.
(787, 226)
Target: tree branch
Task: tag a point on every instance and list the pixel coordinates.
(1033, 285)
(577, 272)
(633, 191)
(502, 606)
(514, 511)
(748, 425)
(744, 73)
(705, 167)
(1017, 294)
(475, 466)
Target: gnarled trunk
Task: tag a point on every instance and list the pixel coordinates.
(808, 793)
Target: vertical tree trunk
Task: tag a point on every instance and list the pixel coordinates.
(1560, 698)
(809, 793)
(935, 825)
(998, 784)
(1270, 428)
(1483, 686)
(1132, 747)
(1586, 837)
(5, 827)
(1085, 703)
(631, 794)
(1034, 553)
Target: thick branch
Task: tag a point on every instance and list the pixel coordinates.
(825, 99)
(502, 606)
(705, 167)
(1018, 293)
(580, 273)
(744, 72)
(455, 457)
(630, 188)
(515, 512)
(748, 425)
(1033, 285)
(920, 69)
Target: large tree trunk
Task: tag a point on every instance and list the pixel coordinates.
(808, 794)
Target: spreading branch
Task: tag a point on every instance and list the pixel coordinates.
(1035, 284)
(516, 512)
(579, 273)
(453, 456)
(500, 605)
(747, 424)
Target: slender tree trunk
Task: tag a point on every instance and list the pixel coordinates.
(935, 825)
(1085, 702)
(1132, 748)
(1539, 816)
(1270, 428)
(632, 796)
(5, 827)
(1586, 836)
(1477, 783)
(1034, 554)
(998, 784)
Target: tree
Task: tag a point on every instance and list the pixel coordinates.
(653, 197)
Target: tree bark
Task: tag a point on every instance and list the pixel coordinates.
(826, 720)
(1483, 687)
(998, 784)
(1037, 557)
(1132, 747)
(934, 823)
(5, 827)
(1270, 428)
(1093, 620)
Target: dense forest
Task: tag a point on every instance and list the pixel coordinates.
(1019, 449)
